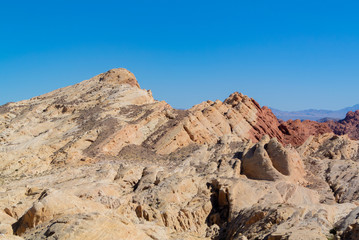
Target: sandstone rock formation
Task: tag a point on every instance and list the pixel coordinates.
(269, 160)
(296, 132)
(103, 160)
(349, 125)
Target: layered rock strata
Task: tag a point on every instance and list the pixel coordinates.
(103, 160)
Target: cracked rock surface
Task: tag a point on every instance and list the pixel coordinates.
(103, 159)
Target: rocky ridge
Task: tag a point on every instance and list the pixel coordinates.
(103, 160)
(349, 125)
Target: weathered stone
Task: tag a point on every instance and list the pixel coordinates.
(117, 164)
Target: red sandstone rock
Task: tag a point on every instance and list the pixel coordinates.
(290, 132)
(296, 132)
(349, 125)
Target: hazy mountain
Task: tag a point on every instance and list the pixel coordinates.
(314, 114)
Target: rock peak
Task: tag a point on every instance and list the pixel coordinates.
(352, 115)
(349, 125)
(235, 98)
(103, 158)
(119, 76)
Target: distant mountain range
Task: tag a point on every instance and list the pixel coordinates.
(314, 114)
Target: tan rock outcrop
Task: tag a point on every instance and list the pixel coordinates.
(330, 146)
(50, 205)
(103, 160)
(269, 160)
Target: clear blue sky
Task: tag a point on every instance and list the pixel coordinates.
(289, 55)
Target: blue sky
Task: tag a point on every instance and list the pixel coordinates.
(289, 55)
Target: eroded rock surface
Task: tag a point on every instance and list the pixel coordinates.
(103, 160)
(349, 125)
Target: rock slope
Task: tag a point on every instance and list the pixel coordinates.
(349, 125)
(103, 160)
